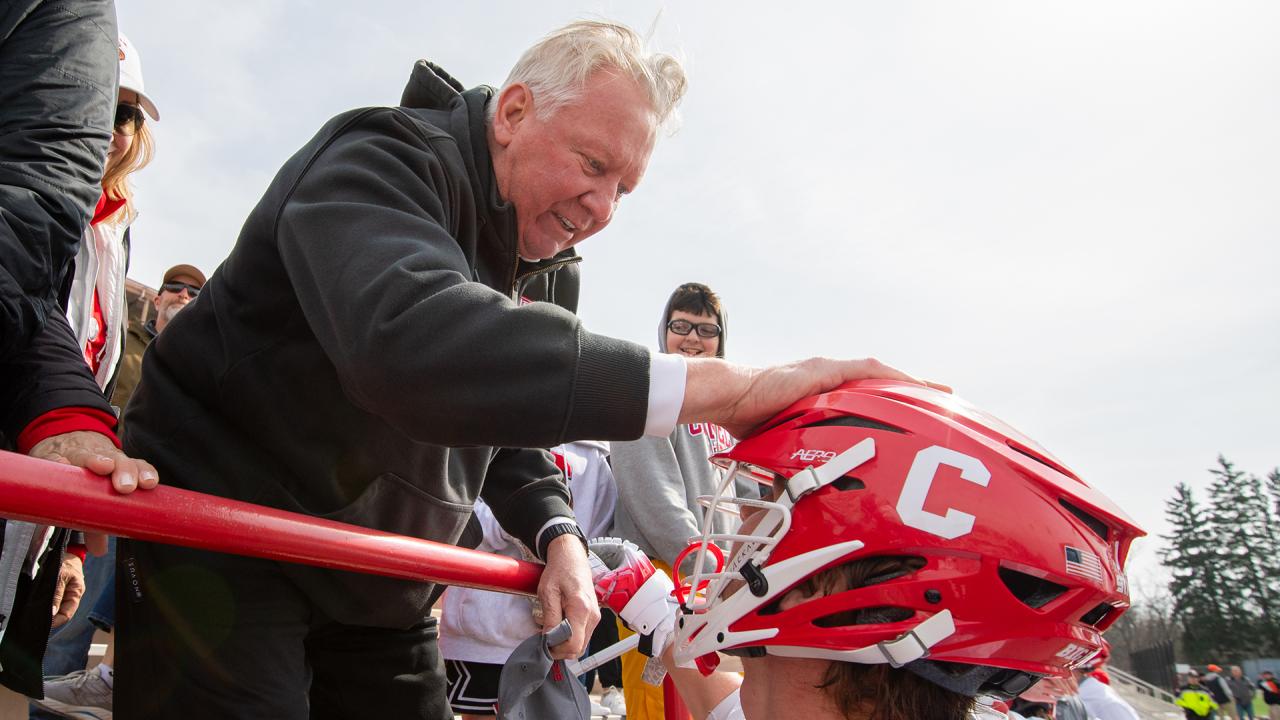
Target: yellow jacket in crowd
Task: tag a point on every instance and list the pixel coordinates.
(1197, 700)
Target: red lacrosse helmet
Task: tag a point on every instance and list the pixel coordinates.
(1018, 563)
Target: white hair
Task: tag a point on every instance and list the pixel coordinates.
(557, 67)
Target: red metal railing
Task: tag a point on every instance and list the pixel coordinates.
(45, 492)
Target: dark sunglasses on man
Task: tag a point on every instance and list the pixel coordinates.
(684, 327)
(128, 118)
(177, 287)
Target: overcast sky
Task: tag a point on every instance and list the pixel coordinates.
(1069, 211)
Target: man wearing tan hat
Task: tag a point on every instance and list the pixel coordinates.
(180, 285)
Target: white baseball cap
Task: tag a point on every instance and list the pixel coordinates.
(131, 75)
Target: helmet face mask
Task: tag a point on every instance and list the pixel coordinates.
(763, 522)
(1010, 561)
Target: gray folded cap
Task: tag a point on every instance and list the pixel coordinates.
(534, 687)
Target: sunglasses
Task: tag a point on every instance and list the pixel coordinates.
(684, 327)
(128, 118)
(177, 287)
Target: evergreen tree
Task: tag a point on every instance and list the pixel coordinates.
(1239, 522)
(1273, 489)
(1196, 586)
(1269, 555)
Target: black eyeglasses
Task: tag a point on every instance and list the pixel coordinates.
(177, 287)
(128, 118)
(684, 327)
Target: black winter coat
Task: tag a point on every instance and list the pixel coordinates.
(373, 341)
(58, 66)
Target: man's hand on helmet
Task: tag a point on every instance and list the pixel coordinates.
(739, 398)
(633, 588)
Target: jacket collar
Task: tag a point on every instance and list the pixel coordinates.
(430, 87)
(106, 207)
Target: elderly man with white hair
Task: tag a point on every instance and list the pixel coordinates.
(392, 331)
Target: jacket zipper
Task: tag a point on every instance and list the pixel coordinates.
(540, 271)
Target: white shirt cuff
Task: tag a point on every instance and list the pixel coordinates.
(667, 374)
(557, 520)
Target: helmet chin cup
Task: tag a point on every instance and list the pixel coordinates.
(686, 590)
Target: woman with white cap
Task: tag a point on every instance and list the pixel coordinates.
(97, 309)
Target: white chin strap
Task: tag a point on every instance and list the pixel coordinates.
(811, 478)
(908, 647)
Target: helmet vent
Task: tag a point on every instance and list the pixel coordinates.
(1097, 615)
(1098, 527)
(852, 575)
(1024, 450)
(865, 616)
(848, 482)
(1032, 591)
(853, 421)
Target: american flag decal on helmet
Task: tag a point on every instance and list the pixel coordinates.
(1083, 563)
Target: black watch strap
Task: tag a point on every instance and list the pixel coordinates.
(556, 531)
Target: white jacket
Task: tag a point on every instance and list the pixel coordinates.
(100, 265)
(484, 627)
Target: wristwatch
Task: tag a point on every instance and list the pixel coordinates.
(556, 531)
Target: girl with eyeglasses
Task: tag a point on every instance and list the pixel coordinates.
(97, 309)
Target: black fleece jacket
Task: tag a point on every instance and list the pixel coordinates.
(57, 92)
(366, 349)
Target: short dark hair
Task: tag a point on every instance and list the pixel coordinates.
(697, 299)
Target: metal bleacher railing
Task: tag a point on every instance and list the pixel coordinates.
(1139, 685)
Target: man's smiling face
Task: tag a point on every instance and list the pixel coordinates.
(566, 173)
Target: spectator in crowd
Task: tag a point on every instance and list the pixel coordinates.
(1270, 693)
(1102, 702)
(479, 628)
(847, 599)
(363, 354)
(97, 309)
(58, 70)
(1242, 692)
(1195, 699)
(1217, 686)
(661, 478)
(99, 315)
(179, 285)
(68, 687)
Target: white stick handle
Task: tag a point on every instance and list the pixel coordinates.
(591, 662)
